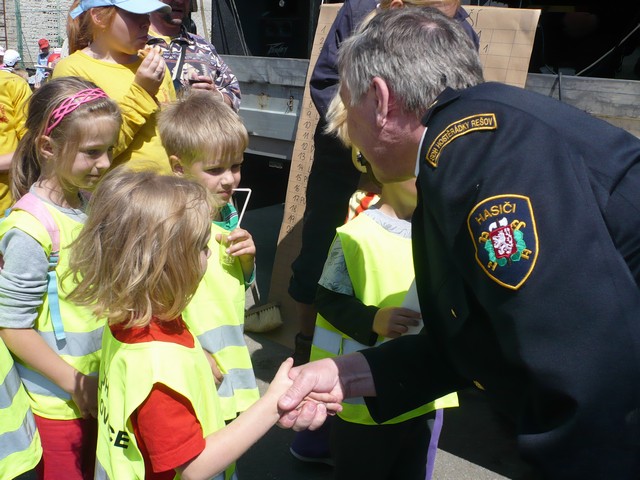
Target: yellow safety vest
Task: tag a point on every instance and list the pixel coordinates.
(380, 265)
(216, 316)
(127, 375)
(83, 332)
(20, 448)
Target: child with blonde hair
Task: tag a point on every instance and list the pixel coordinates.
(105, 39)
(205, 141)
(138, 262)
(72, 127)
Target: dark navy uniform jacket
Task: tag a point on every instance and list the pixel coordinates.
(526, 250)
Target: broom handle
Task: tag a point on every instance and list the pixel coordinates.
(254, 292)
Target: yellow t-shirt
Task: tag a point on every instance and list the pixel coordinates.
(14, 93)
(139, 142)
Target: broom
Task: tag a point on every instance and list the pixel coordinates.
(258, 318)
(261, 318)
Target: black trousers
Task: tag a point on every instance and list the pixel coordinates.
(381, 452)
(332, 181)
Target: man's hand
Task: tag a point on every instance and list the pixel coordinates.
(316, 389)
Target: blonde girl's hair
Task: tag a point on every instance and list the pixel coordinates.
(199, 124)
(28, 165)
(81, 30)
(337, 120)
(139, 253)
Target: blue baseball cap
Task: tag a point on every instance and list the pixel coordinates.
(133, 6)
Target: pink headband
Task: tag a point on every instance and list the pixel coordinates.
(69, 104)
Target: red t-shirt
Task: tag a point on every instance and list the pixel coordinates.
(165, 425)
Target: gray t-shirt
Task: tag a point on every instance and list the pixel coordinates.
(23, 278)
(335, 276)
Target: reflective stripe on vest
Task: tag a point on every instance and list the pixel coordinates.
(9, 386)
(221, 337)
(81, 346)
(20, 448)
(215, 315)
(237, 379)
(337, 344)
(20, 439)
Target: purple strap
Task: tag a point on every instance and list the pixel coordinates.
(433, 443)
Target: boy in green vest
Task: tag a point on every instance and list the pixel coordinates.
(205, 141)
(360, 299)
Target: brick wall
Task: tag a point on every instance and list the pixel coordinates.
(31, 20)
(47, 18)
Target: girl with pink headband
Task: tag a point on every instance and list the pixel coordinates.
(105, 39)
(72, 127)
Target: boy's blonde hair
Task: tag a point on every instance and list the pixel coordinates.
(139, 253)
(198, 125)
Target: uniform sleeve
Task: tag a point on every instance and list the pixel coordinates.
(408, 373)
(167, 430)
(23, 279)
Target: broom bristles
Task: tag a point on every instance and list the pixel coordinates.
(263, 318)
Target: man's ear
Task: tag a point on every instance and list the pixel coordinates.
(382, 98)
(45, 147)
(396, 4)
(176, 165)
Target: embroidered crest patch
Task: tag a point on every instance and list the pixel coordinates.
(503, 230)
(481, 121)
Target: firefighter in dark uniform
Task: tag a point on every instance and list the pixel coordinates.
(526, 251)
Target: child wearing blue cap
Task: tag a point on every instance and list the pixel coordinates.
(105, 37)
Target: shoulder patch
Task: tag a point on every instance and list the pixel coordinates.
(474, 123)
(503, 231)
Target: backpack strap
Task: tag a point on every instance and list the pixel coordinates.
(34, 206)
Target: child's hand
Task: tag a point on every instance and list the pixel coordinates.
(241, 245)
(217, 374)
(391, 322)
(85, 395)
(151, 72)
(281, 382)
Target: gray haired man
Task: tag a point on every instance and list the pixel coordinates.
(526, 252)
